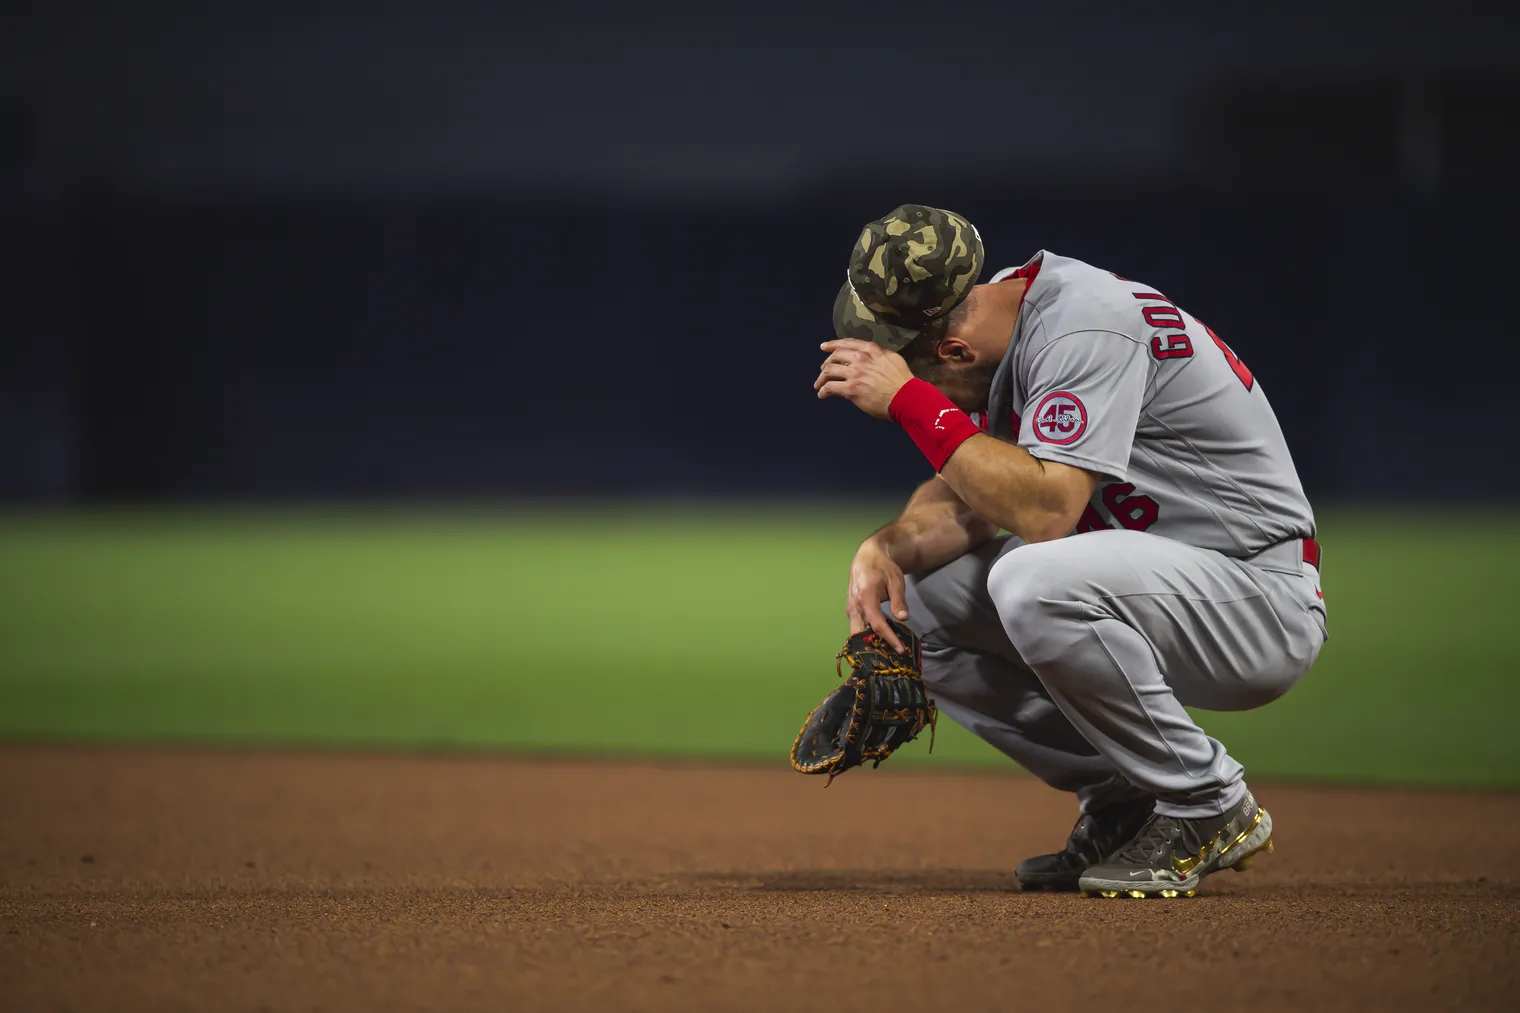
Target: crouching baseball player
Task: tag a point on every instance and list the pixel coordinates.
(1161, 553)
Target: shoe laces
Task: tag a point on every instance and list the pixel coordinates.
(1096, 835)
(1084, 834)
(1155, 838)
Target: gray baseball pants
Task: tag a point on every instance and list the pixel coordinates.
(1075, 657)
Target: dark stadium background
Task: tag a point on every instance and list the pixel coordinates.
(269, 252)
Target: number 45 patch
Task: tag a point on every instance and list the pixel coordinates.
(1060, 418)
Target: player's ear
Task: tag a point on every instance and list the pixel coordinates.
(952, 349)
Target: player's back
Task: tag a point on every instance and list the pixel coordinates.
(1111, 375)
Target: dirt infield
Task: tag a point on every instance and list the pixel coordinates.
(160, 879)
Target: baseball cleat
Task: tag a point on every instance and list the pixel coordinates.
(1171, 854)
(1096, 836)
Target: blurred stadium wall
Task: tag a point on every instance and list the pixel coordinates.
(283, 252)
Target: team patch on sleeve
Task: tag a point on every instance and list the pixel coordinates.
(1060, 418)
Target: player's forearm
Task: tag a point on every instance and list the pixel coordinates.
(935, 527)
(1036, 500)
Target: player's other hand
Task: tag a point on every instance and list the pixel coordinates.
(874, 578)
(865, 373)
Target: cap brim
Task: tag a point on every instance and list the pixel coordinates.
(853, 319)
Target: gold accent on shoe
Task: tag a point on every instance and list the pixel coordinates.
(1245, 863)
(1138, 894)
(1185, 865)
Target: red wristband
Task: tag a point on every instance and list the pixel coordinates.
(936, 425)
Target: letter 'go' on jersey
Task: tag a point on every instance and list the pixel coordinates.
(1112, 376)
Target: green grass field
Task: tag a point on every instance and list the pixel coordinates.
(678, 632)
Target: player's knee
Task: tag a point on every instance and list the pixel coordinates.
(1028, 587)
(1267, 685)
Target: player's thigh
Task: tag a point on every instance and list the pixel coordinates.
(968, 658)
(951, 604)
(1223, 634)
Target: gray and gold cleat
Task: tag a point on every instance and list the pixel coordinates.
(1170, 855)
(1096, 836)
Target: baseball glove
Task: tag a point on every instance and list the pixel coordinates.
(882, 704)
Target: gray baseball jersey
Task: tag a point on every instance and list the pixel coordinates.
(1187, 585)
(1112, 376)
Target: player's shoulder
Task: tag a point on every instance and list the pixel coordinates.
(1051, 275)
(1067, 298)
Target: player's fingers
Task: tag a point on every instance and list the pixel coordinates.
(884, 629)
(831, 371)
(853, 612)
(897, 595)
(848, 345)
(868, 600)
(833, 388)
(838, 362)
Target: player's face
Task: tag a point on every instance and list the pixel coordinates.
(965, 380)
(969, 355)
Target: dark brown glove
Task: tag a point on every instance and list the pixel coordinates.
(882, 704)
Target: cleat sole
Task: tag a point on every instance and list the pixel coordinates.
(1138, 894)
(1245, 863)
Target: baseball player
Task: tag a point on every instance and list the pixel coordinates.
(1160, 553)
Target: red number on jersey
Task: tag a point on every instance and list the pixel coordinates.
(1054, 421)
(1135, 512)
(1090, 520)
(1239, 367)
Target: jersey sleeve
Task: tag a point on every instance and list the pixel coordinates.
(1085, 393)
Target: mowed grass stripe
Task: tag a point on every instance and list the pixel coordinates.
(678, 631)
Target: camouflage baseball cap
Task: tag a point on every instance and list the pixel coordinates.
(915, 264)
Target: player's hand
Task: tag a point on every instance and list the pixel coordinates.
(874, 578)
(865, 373)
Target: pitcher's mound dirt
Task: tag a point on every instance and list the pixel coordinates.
(159, 880)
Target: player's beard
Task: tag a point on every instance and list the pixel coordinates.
(967, 386)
